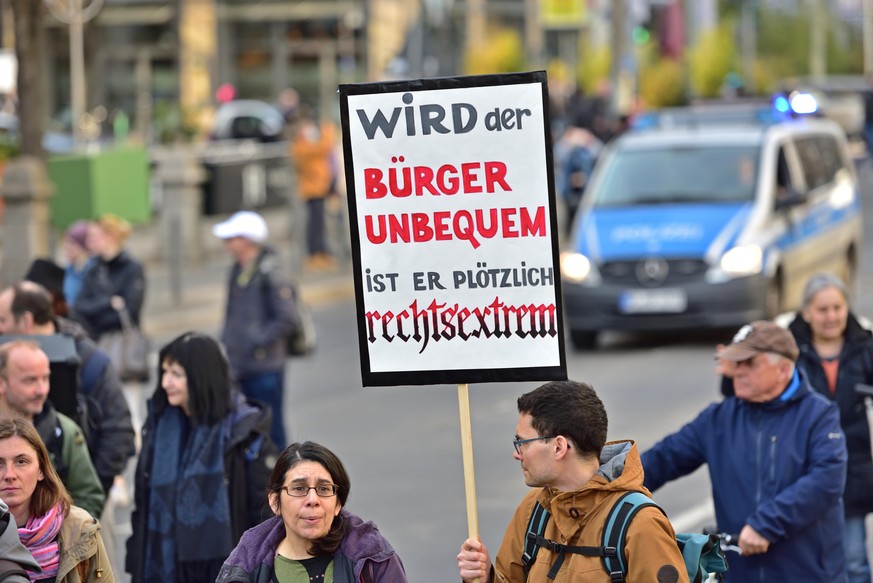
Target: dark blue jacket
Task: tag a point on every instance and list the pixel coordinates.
(779, 467)
(259, 316)
(120, 276)
(856, 366)
(249, 458)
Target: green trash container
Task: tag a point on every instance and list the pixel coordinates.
(88, 186)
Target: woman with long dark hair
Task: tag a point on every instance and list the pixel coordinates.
(200, 480)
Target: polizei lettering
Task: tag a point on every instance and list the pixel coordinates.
(443, 322)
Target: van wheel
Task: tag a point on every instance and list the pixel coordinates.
(773, 299)
(583, 339)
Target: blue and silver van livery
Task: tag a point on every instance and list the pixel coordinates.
(710, 217)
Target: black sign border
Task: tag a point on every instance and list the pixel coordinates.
(449, 376)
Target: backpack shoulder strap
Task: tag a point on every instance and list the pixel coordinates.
(536, 526)
(534, 539)
(615, 531)
(92, 370)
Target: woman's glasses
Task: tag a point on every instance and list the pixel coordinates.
(301, 491)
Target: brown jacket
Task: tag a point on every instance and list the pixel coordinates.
(83, 556)
(578, 519)
(312, 161)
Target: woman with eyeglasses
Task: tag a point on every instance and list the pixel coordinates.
(312, 537)
(203, 469)
(63, 539)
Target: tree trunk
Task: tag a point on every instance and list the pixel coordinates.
(29, 15)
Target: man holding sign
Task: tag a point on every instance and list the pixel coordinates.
(577, 477)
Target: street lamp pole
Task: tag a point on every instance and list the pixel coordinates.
(77, 70)
(868, 36)
(76, 13)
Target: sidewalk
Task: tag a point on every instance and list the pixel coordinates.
(204, 290)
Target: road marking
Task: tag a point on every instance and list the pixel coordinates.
(695, 518)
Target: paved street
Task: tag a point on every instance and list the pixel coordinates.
(401, 445)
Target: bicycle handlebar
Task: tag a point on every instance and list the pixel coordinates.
(727, 541)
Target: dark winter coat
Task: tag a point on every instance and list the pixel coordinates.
(856, 366)
(260, 315)
(120, 276)
(69, 454)
(248, 461)
(779, 467)
(110, 435)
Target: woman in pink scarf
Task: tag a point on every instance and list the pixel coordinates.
(64, 539)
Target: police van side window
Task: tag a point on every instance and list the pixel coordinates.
(814, 169)
(830, 156)
(784, 184)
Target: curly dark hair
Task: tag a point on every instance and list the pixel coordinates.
(571, 409)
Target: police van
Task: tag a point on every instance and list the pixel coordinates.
(711, 216)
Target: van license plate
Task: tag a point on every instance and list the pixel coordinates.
(652, 301)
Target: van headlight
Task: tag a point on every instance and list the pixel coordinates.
(575, 266)
(743, 260)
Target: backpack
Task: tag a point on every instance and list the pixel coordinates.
(301, 339)
(701, 552)
(90, 410)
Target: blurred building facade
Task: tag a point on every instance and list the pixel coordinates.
(153, 58)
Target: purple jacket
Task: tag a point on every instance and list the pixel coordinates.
(364, 547)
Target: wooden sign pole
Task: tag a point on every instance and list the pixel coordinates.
(469, 474)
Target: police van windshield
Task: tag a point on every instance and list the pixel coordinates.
(667, 175)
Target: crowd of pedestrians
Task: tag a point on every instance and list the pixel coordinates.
(220, 495)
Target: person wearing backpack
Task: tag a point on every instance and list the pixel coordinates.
(259, 316)
(26, 309)
(578, 478)
(776, 456)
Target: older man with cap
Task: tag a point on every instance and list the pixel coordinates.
(777, 463)
(260, 314)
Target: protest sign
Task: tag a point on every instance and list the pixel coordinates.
(453, 227)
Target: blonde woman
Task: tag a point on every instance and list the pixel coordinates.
(113, 282)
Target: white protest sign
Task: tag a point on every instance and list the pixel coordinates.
(452, 211)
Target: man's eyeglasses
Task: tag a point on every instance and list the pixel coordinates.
(301, 491)
(519, 442)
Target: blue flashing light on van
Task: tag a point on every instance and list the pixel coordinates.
(693, 223)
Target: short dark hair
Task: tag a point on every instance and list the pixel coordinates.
(207, 373)
(571, 409)
(29, 296)
(315, 452)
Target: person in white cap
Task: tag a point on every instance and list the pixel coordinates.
(260, 314)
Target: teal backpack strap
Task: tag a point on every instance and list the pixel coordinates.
(615, 531)
(534, 539)
(536, 526)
